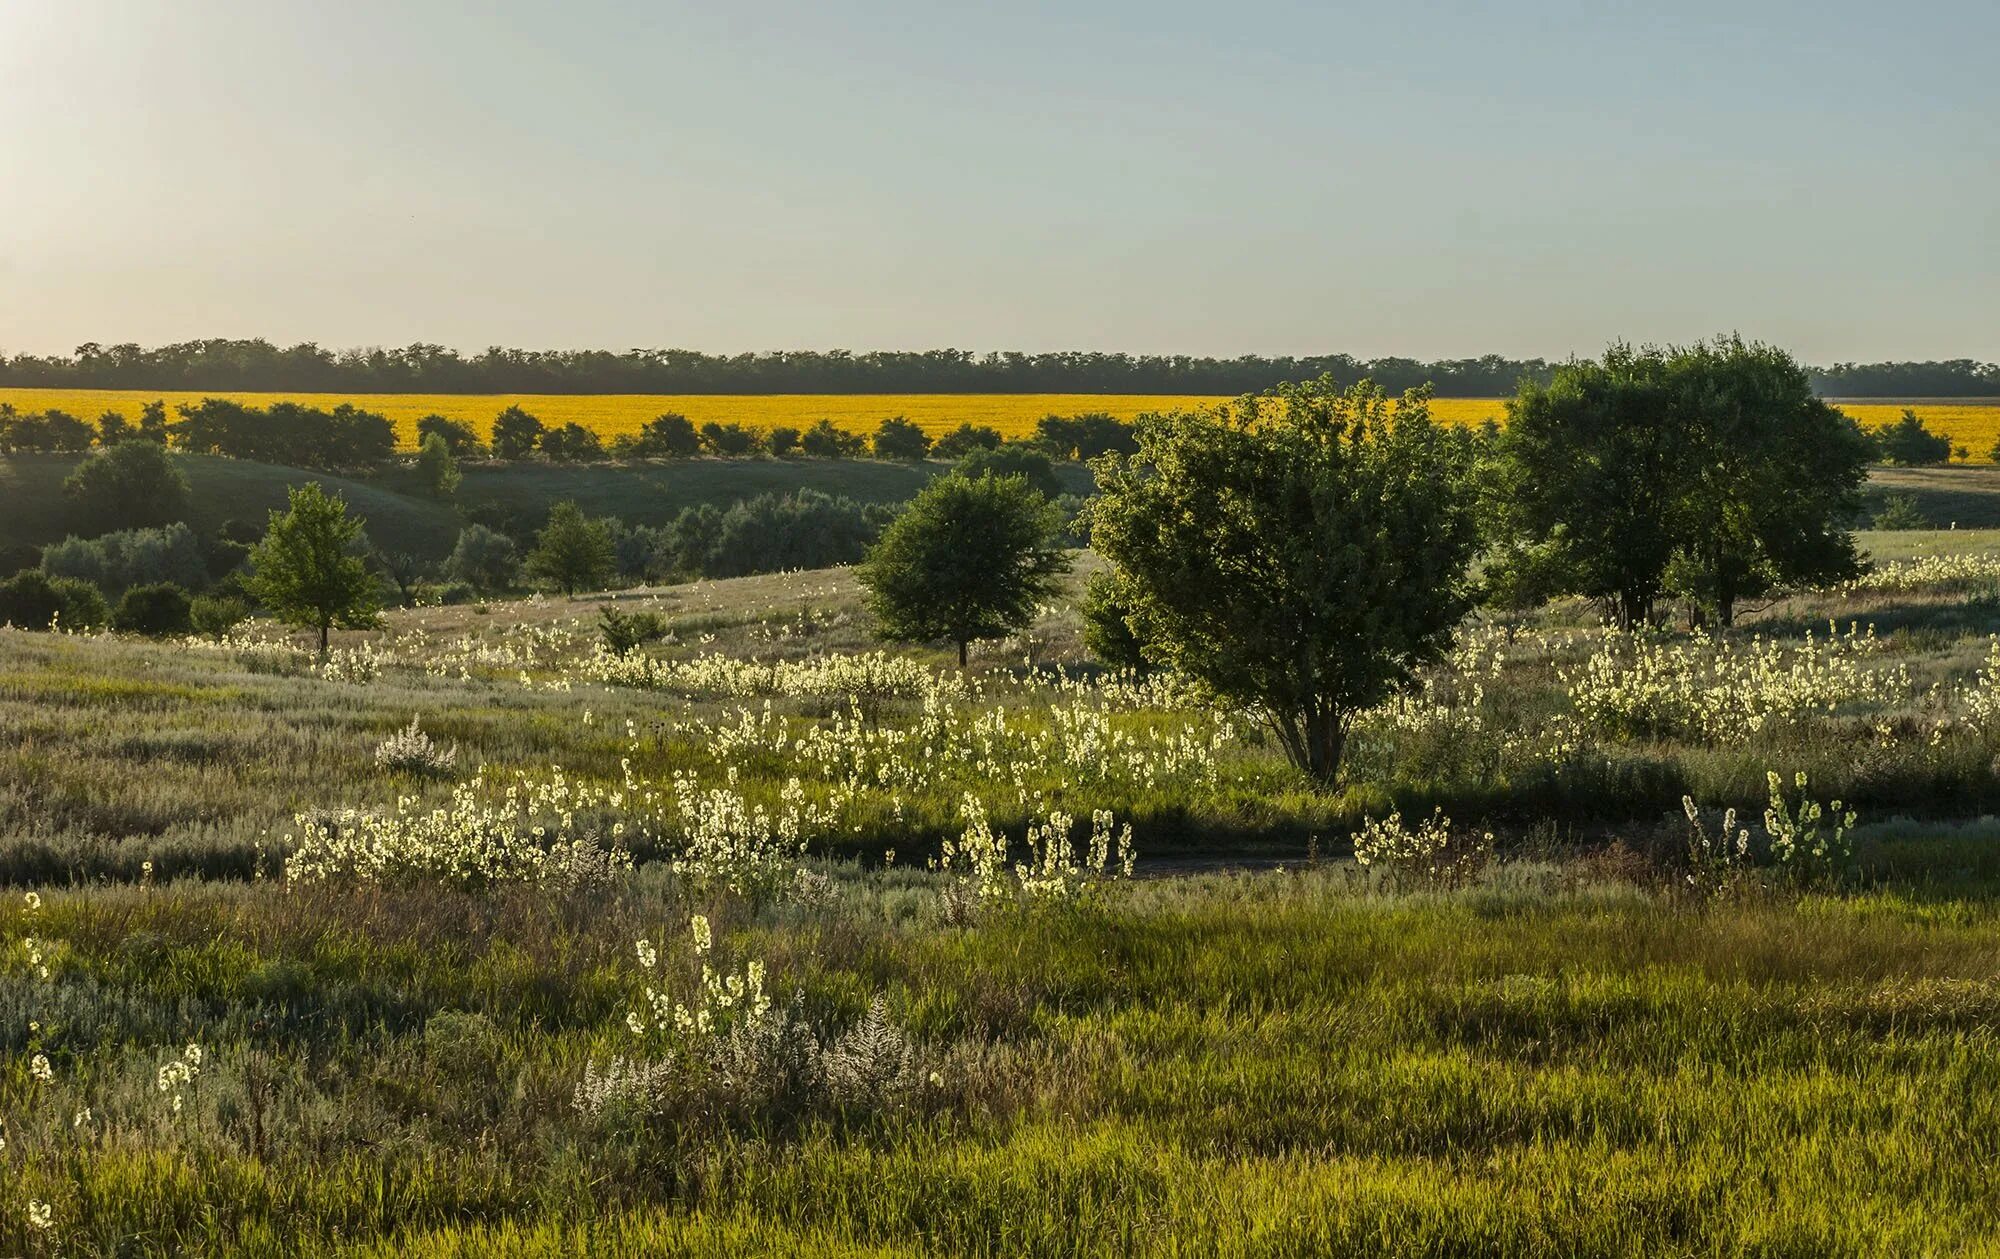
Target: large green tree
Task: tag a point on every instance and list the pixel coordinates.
(572, 552)
(129, 485)
(1711, 471)
(1775, 477)
(969, 558)
(1592, 473)
(1301, 553)
(310, 570)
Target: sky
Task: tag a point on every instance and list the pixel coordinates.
(1430, 178)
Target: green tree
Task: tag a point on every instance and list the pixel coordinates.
(459, 437)
(965, 439)
(437, 471)
(731, 441)
(824, 441)
(669, 436)
(483, 559)
(968, 559)
(1592, 471)
(572, 553)
(782, 440)
(515, 434)
(307, 570)
(1774, 476)
(129, 485)
(155, 611)
(1909, 443)
(897, 438)
(1014, 459)
(1302, 553)
(572, 443)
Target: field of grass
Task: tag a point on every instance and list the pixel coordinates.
(276, 994)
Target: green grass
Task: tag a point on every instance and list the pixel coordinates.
(1965, 496)
(1275, 1064)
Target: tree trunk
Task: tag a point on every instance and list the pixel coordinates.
(1326, 739)
(961, 655)
(323, 627)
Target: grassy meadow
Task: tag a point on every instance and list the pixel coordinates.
(827, 950)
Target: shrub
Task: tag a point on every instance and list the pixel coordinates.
(1085, 436)
(965, 439)
(483, 559)
(28, 600)
(782, 440)
(1909, 443)
(437, 470)
(1106, 633)
(897, 438)
(572, 443)
(116, 562)
(217, 615)
(626, 632)
(154, 611)
(1014, 459)
(83, 605)
(728, 440)
(515, 434)
(669, 436)
(130, 485)
(457, 436)
(1899, 511)
(824, 441)
(411, 751)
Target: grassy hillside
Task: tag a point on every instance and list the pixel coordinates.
(34, 512)
(1961, 495)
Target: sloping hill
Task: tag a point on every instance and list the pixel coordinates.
(34, 512)
(1967, 496)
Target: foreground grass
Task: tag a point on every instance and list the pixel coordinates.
(1285, 1063)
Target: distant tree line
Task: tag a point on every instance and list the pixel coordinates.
(256, 364)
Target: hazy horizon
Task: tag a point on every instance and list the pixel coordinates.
(1428, 181)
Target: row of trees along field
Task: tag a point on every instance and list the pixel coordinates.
(258, 365)
(347, 438)
(1302, 554)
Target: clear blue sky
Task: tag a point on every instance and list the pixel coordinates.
(1422, 178)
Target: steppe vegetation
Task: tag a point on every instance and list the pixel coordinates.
(1332, 860)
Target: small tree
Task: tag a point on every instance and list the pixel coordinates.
(1014, 459)
(483, 559)
(1909, 443)
(897, 438)
(457, 435)
(154, 611)
(965, 439)
(782, 440)
(967, 559)
(731, 441)
(436, 469)
(572, 443)
(669, 436)
(572, 553)
(824, 441)
(130, 485)
(515, 434)
(1301, 554)
(307, 570)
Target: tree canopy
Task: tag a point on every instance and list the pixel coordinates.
(1301, 553)
(970, 558)
(309, 570)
